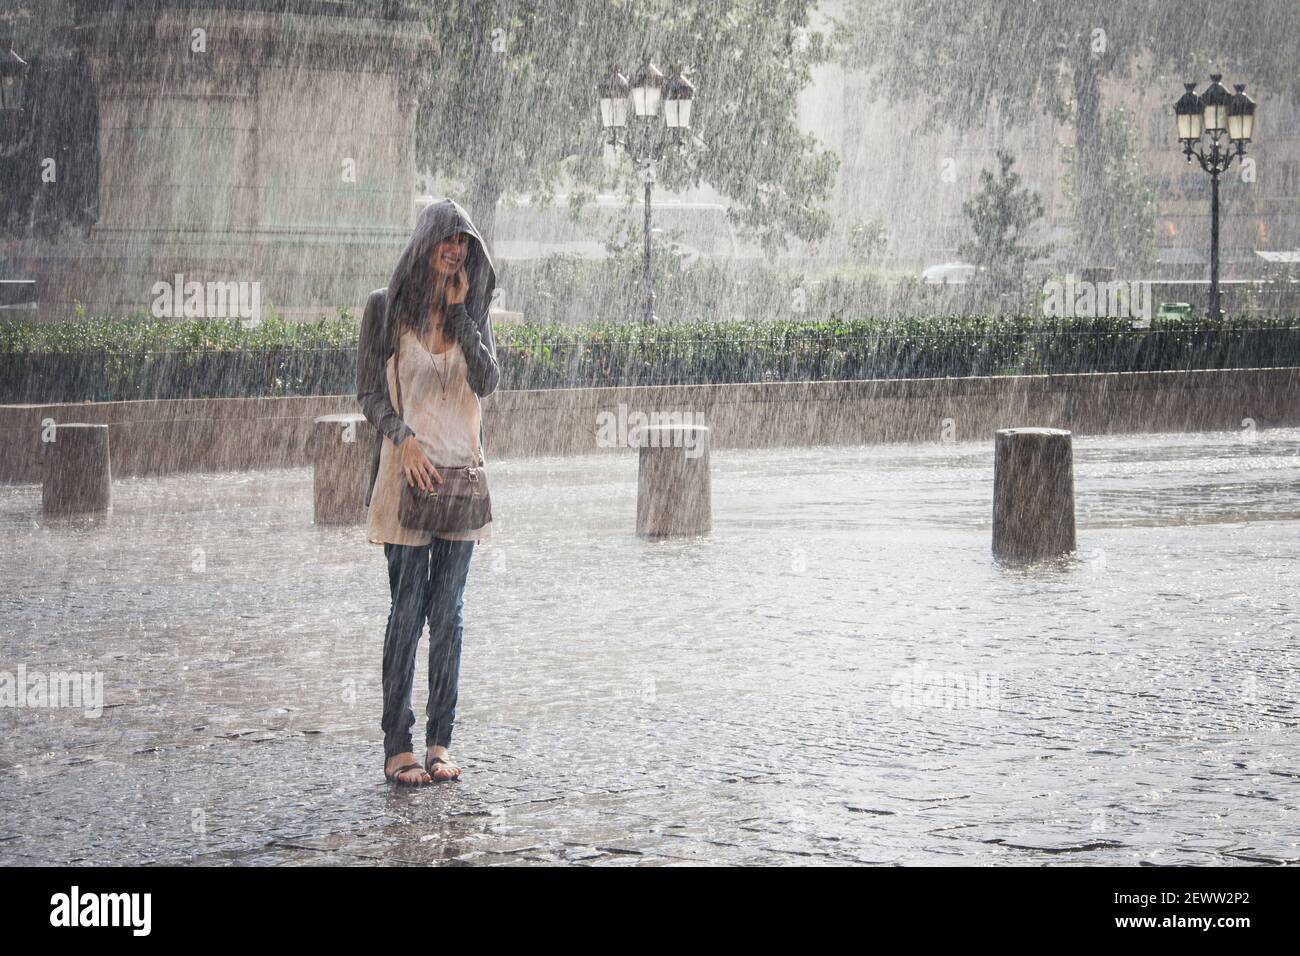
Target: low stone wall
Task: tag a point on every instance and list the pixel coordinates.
(157, 437)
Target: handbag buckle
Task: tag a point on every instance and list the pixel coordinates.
(471, 473)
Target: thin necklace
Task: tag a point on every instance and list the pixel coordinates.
(442, 380)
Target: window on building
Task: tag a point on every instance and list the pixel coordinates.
(1160, 126)
(1288, 178)
(994, 128)
(1278, 118)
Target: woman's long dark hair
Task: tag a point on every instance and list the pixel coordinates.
(423, 294)
(420, 296)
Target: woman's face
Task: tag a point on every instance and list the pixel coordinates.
(448, 256)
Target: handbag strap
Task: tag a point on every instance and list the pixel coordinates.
(397, 369)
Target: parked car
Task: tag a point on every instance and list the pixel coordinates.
(1173, 310)
(948, 273)
(18, 294)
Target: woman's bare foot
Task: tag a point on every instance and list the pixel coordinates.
(413, 776)
(446, 770)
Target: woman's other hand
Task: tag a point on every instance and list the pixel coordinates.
(419, 471)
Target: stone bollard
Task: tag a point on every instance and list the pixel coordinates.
(1033, 494)
(673, 495)
(77, 475)
(342, 446)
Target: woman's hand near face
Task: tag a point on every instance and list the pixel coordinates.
(458, 287)
(419, 471)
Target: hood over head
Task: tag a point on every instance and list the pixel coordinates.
(411, 288)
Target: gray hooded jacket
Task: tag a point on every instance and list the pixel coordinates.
(379, 323)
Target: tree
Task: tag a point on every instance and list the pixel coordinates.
(1032, 57)
(510, 103)
(1128, 217)
(1002, 214)
(868, 240)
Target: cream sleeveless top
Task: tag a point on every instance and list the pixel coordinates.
(444, 413)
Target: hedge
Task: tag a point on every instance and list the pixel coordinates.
(105, 360)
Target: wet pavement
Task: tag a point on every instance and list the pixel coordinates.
(839, 673)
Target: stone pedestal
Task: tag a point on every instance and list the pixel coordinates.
(77, 475)
(1033, 494)
(252, 155)
(342, 448)
(674, 493)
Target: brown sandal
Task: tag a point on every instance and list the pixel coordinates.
(396, 776)
(428, 768)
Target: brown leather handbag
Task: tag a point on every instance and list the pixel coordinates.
(461, 502)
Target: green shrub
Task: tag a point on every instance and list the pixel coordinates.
(149, 358)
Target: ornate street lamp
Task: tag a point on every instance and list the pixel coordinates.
(647, 90)
(677, 103)
(638, 131)
(1241, 116)
(614, 95)
(1229, 121)
(1190, 113)
(1215, 102)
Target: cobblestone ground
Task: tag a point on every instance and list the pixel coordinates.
(838, 674)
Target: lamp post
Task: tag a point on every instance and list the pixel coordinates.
(629, 112)
(1228, 120)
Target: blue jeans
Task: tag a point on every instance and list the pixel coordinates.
(427, 582)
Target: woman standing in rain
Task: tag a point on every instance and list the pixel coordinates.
(431, 327)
